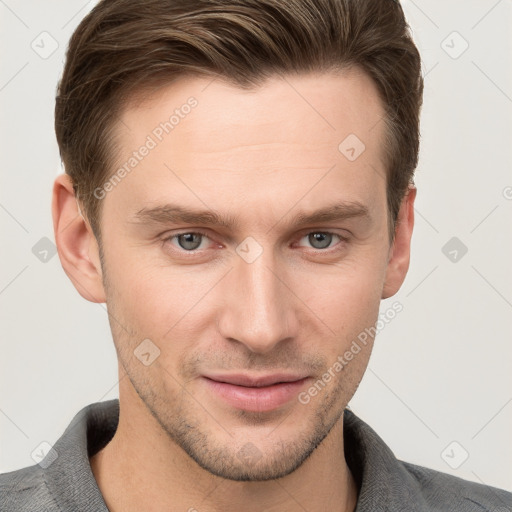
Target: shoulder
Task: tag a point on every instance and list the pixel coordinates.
(26, 490)
(63, 480)
(388, 483)
(441, 491)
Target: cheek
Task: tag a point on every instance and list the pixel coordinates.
(347, 293)
(157, 300)
(345, 304)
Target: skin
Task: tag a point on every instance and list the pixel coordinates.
(260, 156)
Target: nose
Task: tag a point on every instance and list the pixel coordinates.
(258, 306)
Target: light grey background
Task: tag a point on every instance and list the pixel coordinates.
(441, 370)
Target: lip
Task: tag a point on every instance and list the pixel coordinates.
(256, 381)
(255, 393)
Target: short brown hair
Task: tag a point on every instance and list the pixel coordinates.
(125, 46)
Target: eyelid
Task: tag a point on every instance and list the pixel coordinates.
(168, 237)
(343, 239)
(328, 231)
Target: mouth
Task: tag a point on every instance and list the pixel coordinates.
(255, 393)
(255, 381)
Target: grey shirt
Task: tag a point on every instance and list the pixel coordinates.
(63, 480)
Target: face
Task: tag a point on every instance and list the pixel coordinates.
(246, 242)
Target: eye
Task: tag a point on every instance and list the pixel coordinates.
(321, 239)
(188, 241)
(191, 241)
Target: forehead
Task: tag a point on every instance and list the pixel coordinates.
(317, 108)
(211, 139)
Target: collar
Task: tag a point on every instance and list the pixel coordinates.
(383, 482)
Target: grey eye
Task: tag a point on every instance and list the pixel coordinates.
(320, 240)
(189, 241)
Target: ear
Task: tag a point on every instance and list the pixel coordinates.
(76, 244)
(399, 254)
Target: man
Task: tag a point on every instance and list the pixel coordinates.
(238, 191)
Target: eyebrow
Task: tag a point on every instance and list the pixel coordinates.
(176, 214)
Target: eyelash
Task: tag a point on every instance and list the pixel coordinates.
(195, 252)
